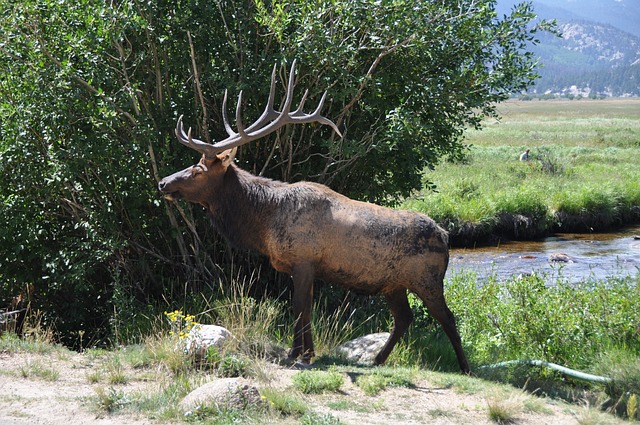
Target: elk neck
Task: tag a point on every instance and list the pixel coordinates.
(243, 207)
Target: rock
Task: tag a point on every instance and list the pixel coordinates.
(224, 393)
(201, 337)
(560, 257)
(364, 349)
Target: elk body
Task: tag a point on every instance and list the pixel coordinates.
(309, 231)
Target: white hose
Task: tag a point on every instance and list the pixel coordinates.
(570, 372)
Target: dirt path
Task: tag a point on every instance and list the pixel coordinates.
(56, 389)
(30, 393)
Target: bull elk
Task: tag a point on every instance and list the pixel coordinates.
(309, 231)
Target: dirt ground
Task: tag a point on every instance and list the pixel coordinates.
(30, 395)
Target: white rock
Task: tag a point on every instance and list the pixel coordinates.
(201, 337)
(364, 349)
(230, 393)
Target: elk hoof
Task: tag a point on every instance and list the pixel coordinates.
(379, 360)
(294, 353)
(307, 356)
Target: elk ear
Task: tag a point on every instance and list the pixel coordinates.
(227, 156)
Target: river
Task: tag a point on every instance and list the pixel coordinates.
(593, 255)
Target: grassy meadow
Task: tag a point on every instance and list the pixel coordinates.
(583, 174)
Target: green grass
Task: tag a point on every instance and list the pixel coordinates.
(32, 343)
(382, 378)
(523, 318)
(288, 403)
(111, 400)
(583, 175)
(317, 381)
(588, 123)
(319, 419)
(116, 374)
(591, 326)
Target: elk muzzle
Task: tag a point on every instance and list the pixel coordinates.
(168, 186)
(167, 195)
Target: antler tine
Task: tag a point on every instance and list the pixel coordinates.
(282, 117)
(239, 124)
(186, 139)
(269, 113)
(289, 99)
(225, 118)
(298, 110)
(323, 120)
(269, 121)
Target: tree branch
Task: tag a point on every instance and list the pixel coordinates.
(196, 76)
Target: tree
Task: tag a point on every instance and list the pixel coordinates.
(90, 94)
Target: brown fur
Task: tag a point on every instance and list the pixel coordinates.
(308, 231)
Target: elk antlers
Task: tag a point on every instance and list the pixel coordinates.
(268, 122)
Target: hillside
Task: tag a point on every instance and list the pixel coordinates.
(621, 14)
(598, 52)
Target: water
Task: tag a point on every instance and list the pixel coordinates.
(594, 255)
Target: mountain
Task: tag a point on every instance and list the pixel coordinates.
(598, 53)
(621, 14)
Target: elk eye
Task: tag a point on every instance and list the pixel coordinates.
(196, 170)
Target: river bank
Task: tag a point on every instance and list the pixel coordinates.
(508, 227)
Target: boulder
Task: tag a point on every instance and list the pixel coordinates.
(364, 349)
(201, 337)
(560, 257)
(224, 393)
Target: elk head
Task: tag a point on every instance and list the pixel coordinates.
(197, 182)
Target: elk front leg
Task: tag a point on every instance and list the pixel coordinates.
(303, 277)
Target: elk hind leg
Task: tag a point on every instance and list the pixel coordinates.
(402, 318)
(438, 309)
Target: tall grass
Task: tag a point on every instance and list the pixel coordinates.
(591, 326)
(524, 318)
(258, 326)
